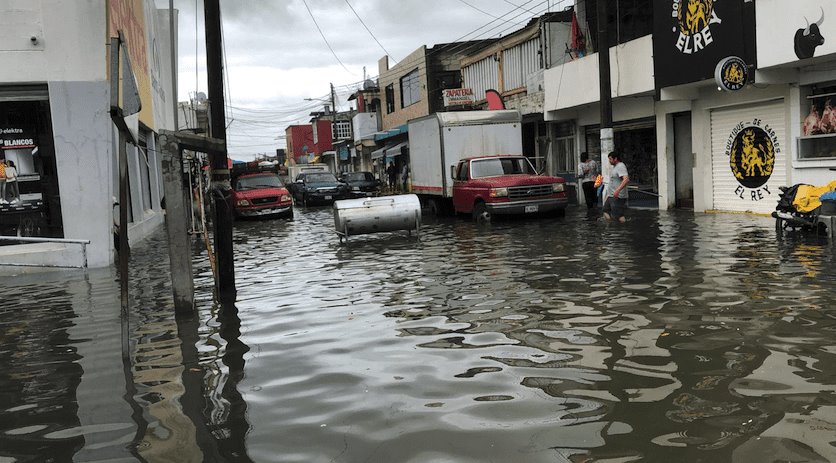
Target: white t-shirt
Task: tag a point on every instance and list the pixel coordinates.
(11, 174)
(587, 171)
(616, 174)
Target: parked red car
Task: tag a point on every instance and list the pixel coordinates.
(258, 192)
(505, 184)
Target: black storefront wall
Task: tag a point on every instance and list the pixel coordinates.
(26, 138)
(688, 43)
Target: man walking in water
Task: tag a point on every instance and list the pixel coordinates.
(615, 197)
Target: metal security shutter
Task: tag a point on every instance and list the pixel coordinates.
(728, 192)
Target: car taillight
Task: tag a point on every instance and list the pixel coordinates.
(499, 192)
(243, 202)
(557, 187)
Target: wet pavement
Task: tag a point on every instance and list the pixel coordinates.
(673, 337)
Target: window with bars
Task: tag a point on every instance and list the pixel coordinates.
(410, 89)
(341, 130)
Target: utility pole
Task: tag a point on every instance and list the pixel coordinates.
(607, 144)
(333, 103)
(219, 163)
(173, 50)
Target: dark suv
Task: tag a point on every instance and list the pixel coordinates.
(317, 188)
(361, 184)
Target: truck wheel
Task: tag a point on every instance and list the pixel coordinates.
(560, 212)
(481, 214)
(432, 207)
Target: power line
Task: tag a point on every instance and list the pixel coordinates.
(323, 36)
(479, 9)
(367, 29)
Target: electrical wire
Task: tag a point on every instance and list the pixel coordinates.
(480, 10)
(323, 37)
(369, 30)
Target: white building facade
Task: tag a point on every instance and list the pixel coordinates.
(57, 130)
(719, 109)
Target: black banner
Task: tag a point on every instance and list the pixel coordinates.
(691, 36)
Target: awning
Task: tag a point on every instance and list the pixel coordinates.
(396, 150)
(377, 154)
(401, 129)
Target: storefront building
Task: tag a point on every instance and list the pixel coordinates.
(744, 112)
(797, 45)
(572, 95)
(56, 129)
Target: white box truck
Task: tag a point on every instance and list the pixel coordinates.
(472, 162)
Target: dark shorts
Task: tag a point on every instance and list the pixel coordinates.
(615, 207)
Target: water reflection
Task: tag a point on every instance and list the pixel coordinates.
(672, 338)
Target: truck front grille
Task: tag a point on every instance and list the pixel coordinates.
(522, 192)
(267, 200)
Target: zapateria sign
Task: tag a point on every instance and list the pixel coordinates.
(751, 148)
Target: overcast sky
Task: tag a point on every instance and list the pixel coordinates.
(276, 56)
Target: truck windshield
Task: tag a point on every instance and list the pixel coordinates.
(253, 182)
(358, 177)
(495, 167)
(324, 177)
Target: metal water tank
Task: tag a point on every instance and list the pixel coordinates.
(373, 215)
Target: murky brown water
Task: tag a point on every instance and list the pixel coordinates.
(673, 338)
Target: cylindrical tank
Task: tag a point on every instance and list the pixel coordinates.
(381, 214)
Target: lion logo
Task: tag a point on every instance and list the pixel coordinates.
(752, 157)
(694, 15)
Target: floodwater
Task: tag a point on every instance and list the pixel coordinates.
(672, 338)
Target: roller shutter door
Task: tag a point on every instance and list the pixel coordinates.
(749, 153)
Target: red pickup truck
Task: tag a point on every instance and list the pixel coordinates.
(504, 184)
(259, 192)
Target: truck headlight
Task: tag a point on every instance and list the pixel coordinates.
(285, 198)
(499, 192)
(557, 187)
(243, 202)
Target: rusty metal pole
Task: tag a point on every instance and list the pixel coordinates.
(221, 188)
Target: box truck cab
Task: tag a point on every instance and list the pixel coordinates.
(489, 173)
(504, 184)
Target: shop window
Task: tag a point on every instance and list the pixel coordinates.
(33, 206)
(390, 98)
(410, 89)
(145, 176)
(626, 20)
(818, 128)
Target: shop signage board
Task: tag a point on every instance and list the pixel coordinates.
(691, 36)
(458, 96)
(749, 158)
(12, 138)
(798, 30)
(731, 74)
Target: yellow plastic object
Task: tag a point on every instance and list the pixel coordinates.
(807, 196)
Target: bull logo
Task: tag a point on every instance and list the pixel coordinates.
(752, 157)
(807, 39)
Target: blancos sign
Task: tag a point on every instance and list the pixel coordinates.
(458, 96)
